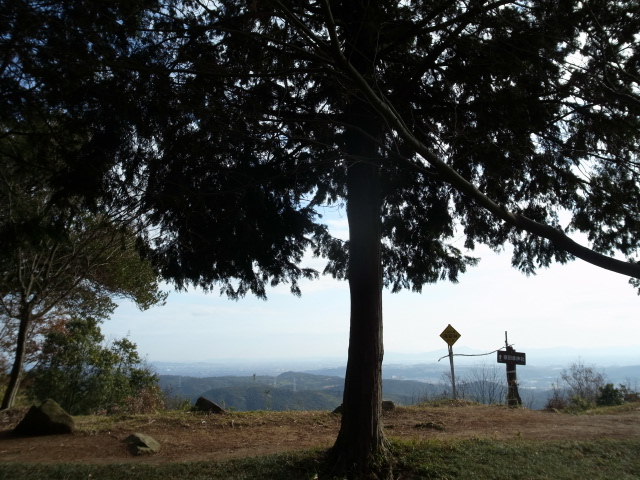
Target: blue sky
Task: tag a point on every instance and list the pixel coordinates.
(575, 305)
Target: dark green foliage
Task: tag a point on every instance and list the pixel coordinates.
(610, 396)
(237, 122)
(83, 374)
(58, 86)
(66, 246)
(260, 181)
(236, 125)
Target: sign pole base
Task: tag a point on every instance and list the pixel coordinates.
(453, 376)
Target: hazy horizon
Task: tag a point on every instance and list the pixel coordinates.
(573, 306)
(558, 356)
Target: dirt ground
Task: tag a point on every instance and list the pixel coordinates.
(200, 437)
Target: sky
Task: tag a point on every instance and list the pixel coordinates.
(577, 306)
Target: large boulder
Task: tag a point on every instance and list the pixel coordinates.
(206, 405)
(141, 444)
(46, 419)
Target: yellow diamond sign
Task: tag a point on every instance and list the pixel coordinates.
(450, 335)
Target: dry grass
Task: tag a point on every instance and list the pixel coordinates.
(446, 440)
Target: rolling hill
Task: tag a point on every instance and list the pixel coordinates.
(287, 391)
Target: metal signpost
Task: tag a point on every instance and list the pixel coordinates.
(512, 358)
(451, 336)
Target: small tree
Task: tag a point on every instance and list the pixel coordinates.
(61, 256)
(583, 381)
(579, 388)
(83, 374)
(557, 400)
(59, 259)
(483, 384)
(609, 396)
(77, 272)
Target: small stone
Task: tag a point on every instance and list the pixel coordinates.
(141, 444)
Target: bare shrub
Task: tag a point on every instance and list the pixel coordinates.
(557, 400)
(583, 381)
(147, 400)
(581, 385)
(485, 384)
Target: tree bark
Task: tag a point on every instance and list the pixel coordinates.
(11, 392)
(361, 442)
(361, 445)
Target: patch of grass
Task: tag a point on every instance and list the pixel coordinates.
(490, 459)
(430, 425)
(294, 465)
(105, 423)
(21, 399)
(446, 402)
(614, 410)
(479, 458)
(595, 410)
(181, 419)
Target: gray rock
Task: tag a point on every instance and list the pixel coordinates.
(388, 405)
(46, 419)
(206, 405)
(141, 444)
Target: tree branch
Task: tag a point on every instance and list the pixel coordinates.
(559, 238)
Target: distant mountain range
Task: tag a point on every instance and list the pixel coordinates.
(233, 386)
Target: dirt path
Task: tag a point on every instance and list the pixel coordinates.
(190, 437)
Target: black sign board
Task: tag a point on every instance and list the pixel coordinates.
(517, 358)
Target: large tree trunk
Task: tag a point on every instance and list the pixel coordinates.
(11, 392)
(361, 446)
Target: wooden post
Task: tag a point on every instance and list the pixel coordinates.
(513, 397)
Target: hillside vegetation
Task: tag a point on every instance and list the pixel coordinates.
(287, 391)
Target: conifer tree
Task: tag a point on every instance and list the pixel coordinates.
(495, 119)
